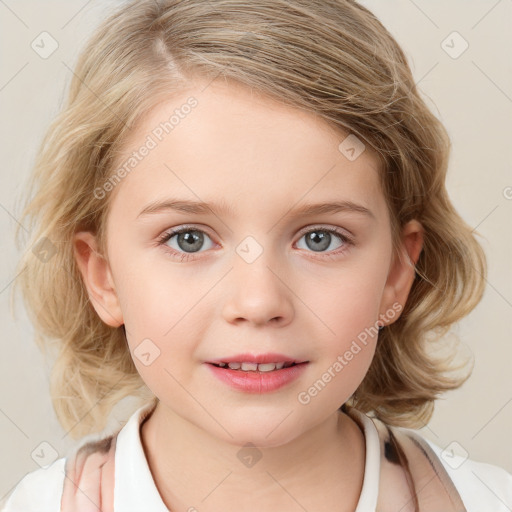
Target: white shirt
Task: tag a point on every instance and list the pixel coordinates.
(482, 487)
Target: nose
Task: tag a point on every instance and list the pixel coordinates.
(259, 291)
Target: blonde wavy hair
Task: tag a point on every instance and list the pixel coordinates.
(333, 58)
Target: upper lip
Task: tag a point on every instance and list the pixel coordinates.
(270, 357)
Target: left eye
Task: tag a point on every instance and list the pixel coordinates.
(190, 240)
(320, 239)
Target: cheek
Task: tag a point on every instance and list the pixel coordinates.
(345, 306)
(147, 290)
(345, 300)
(344, 345)
(162, 314)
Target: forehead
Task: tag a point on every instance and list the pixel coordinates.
(224, 140)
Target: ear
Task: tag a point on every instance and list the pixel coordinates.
(401, 271)
(97, 278)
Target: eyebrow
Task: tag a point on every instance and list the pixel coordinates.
(198, 207)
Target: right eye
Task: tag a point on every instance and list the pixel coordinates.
(185, 241)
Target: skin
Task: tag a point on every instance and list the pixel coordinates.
(263, 159)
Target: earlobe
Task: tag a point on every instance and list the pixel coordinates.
(402, 270)
(97, 278)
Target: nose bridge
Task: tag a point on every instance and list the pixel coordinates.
(255, 261)
(259, 293)
(252, 248)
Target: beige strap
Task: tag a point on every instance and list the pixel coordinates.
(89, 480)
(413, 479)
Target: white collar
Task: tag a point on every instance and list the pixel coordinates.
(370, 490)
(135, 489)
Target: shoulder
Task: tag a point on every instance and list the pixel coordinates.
(481, 486)
(38, 491)
(48, 488)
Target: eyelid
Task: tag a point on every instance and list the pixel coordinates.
(333, 229)
(169, 233)
(306, 229)
(348, 241)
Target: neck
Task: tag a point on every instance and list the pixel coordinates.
(320, 470)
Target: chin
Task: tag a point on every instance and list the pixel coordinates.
(267, 430)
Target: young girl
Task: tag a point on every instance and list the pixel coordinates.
(245, 223)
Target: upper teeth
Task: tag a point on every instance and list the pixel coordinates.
(265, 367)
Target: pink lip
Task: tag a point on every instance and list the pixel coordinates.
(258, 382)
(270, 357)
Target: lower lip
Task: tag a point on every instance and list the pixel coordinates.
(258, 382)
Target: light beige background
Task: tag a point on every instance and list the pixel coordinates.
(472, 94)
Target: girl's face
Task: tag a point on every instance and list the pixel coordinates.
(255, 273)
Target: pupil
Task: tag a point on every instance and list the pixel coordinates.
(321, 237)
(193, 241)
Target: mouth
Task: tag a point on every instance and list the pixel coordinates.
(257, 375)
(257, 367)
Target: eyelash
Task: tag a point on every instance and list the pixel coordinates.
(347, 241)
